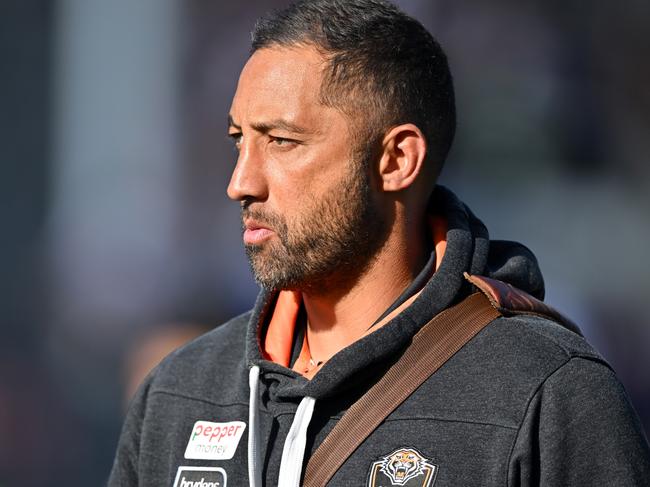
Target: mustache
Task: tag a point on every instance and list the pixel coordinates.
(264, 217)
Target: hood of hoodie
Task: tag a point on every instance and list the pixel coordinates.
(469, 249)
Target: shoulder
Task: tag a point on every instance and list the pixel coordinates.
(195, 369)
(541, 338)
(530, 339)
(221, 341)
(521, 352)
(493, 378)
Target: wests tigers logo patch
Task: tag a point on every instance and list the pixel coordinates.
(404, 467)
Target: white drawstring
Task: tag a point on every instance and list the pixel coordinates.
(254, 472)
(293, 453)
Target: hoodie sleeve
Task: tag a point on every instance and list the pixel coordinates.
(126, 464)
(580, 429)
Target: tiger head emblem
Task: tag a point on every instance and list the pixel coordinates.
(403, 464)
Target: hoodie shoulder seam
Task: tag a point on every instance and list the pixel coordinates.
(568, 351)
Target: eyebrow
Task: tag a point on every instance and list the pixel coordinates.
(265, 127)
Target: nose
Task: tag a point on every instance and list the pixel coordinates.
(248, 180)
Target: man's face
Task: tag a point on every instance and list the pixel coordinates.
(308, 208)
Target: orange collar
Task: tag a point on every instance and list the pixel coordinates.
(278, 341)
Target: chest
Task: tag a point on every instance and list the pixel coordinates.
(189, 441)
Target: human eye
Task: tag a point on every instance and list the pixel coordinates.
(282, 142)
(236, 138)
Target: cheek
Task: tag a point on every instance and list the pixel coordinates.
(302, 179)
(290, 201)
(293, 192)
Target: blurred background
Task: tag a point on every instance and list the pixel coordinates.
(118, 242)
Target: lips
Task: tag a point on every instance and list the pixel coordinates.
(255, 233)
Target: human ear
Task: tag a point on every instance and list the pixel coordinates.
(403, 152)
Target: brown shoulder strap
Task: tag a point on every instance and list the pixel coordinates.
(511, 301)
(432, 346)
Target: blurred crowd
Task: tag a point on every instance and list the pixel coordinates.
(119, 244)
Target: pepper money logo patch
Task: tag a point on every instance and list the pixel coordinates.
(214, 441)
(404, 467)
(200, 477)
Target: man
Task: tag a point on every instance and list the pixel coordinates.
(343, 117)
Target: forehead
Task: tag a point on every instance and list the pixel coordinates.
(280, 82)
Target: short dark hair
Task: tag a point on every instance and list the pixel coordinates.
(380, 62)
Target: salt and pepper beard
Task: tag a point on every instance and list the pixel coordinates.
(331, 241)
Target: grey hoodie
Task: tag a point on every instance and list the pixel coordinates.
(526, 402)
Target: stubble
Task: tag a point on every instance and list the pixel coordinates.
(330, 243)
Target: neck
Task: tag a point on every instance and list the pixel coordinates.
(338, 316)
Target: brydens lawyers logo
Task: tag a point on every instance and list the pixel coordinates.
(214, 441)
(200, 477)
(403, 467)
